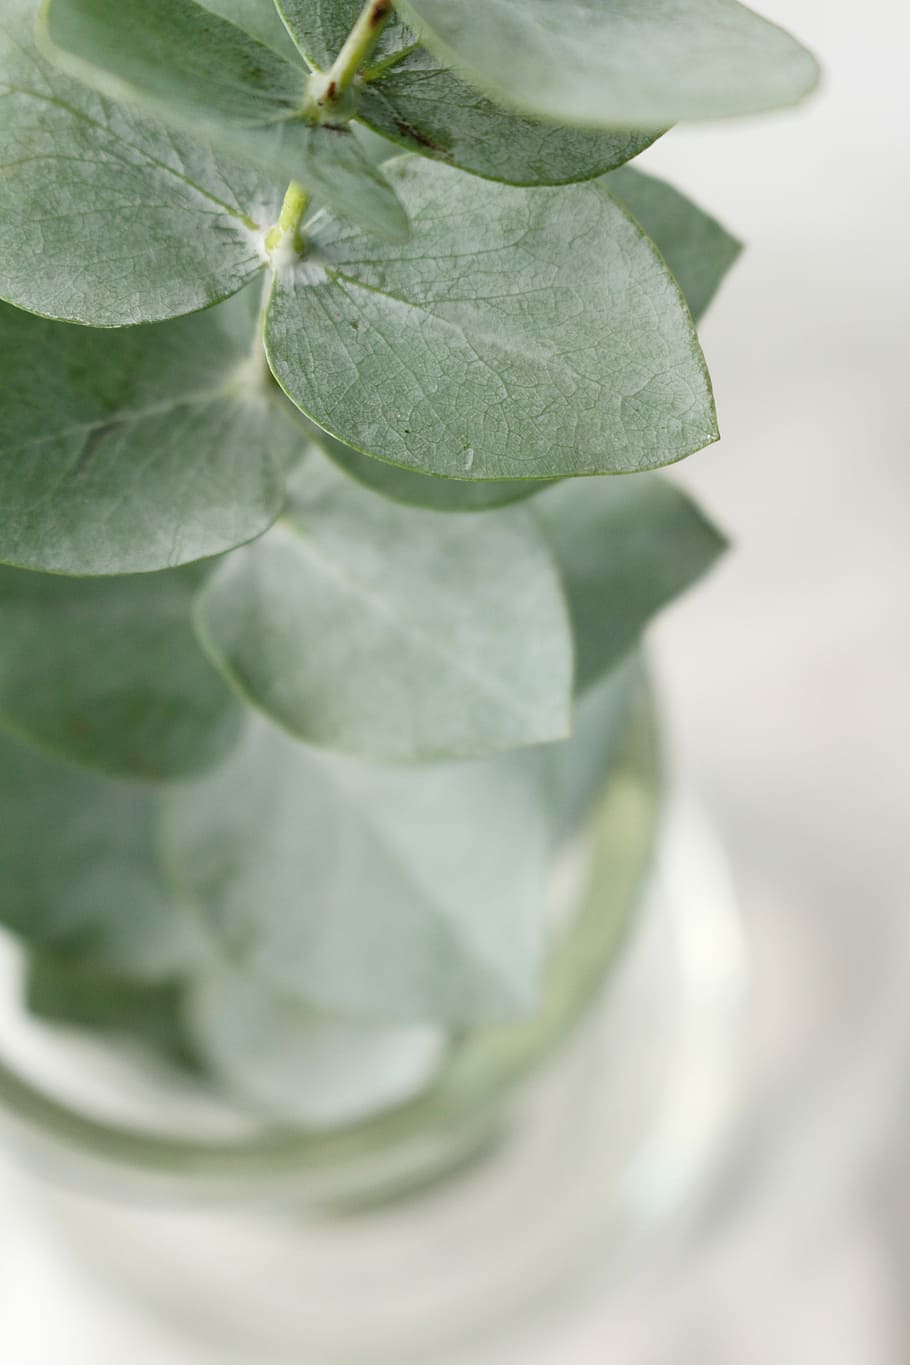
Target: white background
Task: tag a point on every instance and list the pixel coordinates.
(787, 683)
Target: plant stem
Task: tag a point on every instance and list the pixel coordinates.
(358, 46)
(287, 229)
(326, 89)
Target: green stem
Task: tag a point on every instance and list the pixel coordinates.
(359, 44)
(289, 220)
(326, 89)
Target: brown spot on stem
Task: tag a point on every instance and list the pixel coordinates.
(379, 12)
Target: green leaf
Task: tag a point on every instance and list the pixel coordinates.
(107, 673)
(205, 76)
(106, 218)
(393, 633)
(518, 333)
(261, 19)
(79, 869)
(138, 450)
(400, 893)
(699, 253)
(291, 1062)
(697, 249)
(407, 95)
(616, 64)
(625, 547)
(79, 996)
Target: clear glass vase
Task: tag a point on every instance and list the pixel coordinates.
(543, 1151)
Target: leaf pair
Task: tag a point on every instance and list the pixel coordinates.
(397, 633)
(358, 625)
(564, 348)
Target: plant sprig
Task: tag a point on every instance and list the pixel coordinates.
(315, 643)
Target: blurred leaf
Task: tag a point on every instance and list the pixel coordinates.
(393, 633)
(261, 19)
(205, 76)
(293, 1063)
(136, 450)
(400, 893)
(581, 765)
(107, 218)
(517, 333)
(79, 869)
(697, 249)
(61, 992)
(409, 96)
(611, 64)
(625, 547)
(108, 673)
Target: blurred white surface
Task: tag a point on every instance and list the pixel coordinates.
(786, 679)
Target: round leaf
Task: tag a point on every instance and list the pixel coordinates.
(107, 218)
(699, 253)
(518, 333)
(394, 633)
(137, 450)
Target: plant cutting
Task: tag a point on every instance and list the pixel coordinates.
(341, 345)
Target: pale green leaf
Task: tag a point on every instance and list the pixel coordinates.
(79, 870)
(698, 250)
(402, 893)
(625, 547)
(107, 218)
(394, 633)
(291, 1062)
(207, 77)
(128, 451)
(108, 673)
(618, 63)
(409, 96)
(518, 333)
(260, 18)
